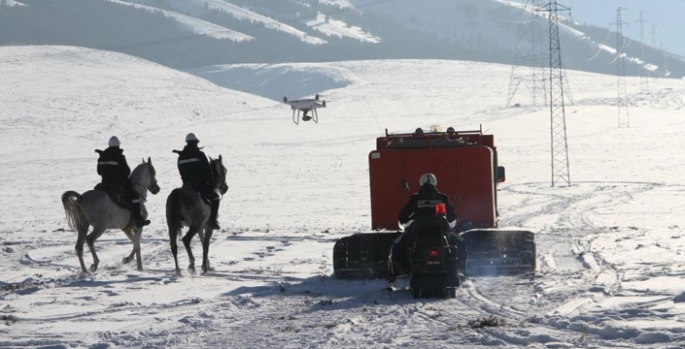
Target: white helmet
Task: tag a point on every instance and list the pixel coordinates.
(114, 142)
(428, 178)
(191, 137)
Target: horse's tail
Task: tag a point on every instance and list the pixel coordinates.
(173, 212)
(71, 201)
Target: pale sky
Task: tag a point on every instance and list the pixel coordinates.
(667, 15)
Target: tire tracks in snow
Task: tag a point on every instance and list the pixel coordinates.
(554, 290)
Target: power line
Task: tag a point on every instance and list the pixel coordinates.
(622, 86)
(252, 26)
(599, 48)
(560, 162)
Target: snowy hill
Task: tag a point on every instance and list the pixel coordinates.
(196, 33)
(14, 3)
(610, 251)
(104, 102)
(244, 14)
(195, 25)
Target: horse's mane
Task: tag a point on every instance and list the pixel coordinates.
(217, 161)
(137, 171)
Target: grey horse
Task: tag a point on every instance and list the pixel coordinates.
(187, 208)
(95, 208)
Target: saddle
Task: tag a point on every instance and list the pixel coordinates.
(116, 193)
(199, 190)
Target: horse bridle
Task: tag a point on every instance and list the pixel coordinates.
(216, 169)
(151, 187)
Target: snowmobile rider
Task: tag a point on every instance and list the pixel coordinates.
(197, 175)
(424, 201)
(421, 203)
(114, 170)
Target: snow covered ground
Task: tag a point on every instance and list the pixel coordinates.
(610, 248)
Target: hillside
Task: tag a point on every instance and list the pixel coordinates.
(195, 33)
(82, 101)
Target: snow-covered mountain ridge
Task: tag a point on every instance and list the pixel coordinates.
(196, 33)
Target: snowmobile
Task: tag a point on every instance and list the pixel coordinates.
(431, 260)
(466, 164)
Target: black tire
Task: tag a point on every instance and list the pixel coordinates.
(451, 292)
(416, 292)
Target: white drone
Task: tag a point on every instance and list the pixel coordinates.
(305, 106)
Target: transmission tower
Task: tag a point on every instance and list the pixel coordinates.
(663, 65)
(622, 99)
(567, 89)
(560, 163)
(655, 44)
(528, 67)
(664, 59)
(644, 81)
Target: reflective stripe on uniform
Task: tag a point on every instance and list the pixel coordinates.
(113, 163)
(185, 161)
(428, 203)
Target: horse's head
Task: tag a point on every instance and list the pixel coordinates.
(146, 175)
(219, 172)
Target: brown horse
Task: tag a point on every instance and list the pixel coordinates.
(187, 208)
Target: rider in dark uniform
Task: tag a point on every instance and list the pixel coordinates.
(114, 170)
(197, 175)
(424, 201)
(421, 203)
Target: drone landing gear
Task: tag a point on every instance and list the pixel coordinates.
(305, 117)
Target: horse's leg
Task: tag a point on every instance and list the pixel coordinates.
(174, 230)
(138, 234)
(186, 242)
(205, 250)
(130, 236)
(201, 236)
(79, 248)
(90, 239)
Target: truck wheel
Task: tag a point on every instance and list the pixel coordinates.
(416, 292)
(451, 292)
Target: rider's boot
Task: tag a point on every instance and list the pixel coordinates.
(138, 219)
(391, 277)
(213, 215)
